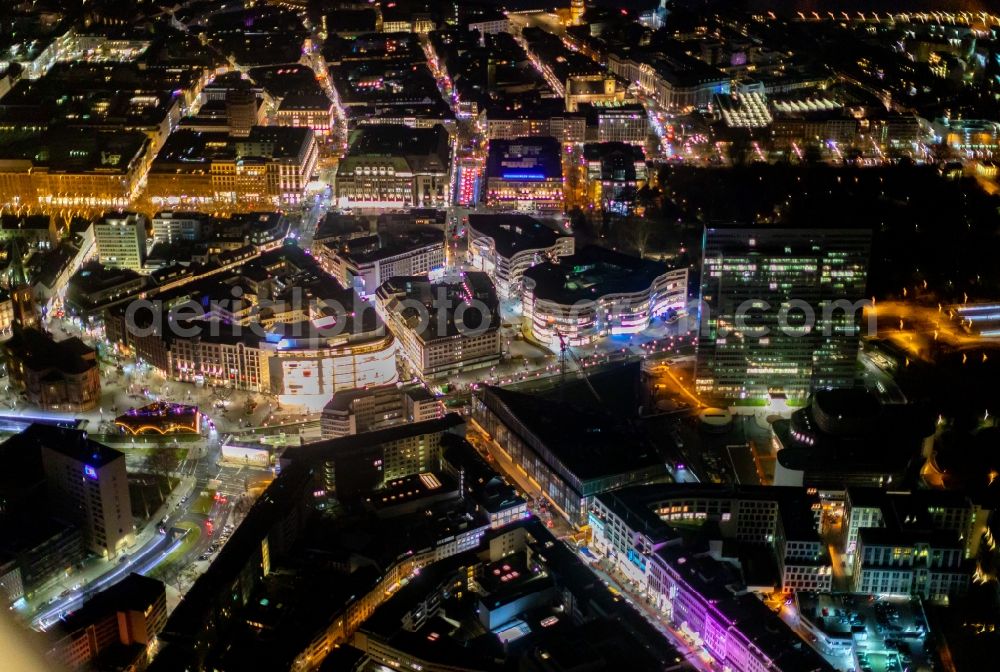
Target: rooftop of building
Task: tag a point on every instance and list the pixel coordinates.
(852, 403)
(95, 277)
(12, 223)
(411, 490)
(589, 444)
(513, 233)
(378, 113)
(593, 111)
(337, 225)
(525, 159)
(374, 48)
(135, 592)
(343, 399)
(304, 102)
(182, 215)
(387, 82)
(187, 147)
(319, 451)
(72, 443)
(400, 140)
(597, 151)
(591, 273)
(482, 482)
(287, 80)
(400, 293)
(77, 150)
(848, 432)
(38, 351)
(541, 108)
(886, 536)
(635, 505)
(383, 245)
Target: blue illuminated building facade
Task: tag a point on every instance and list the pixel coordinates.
(525, 174)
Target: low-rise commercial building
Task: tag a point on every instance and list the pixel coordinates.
(443, 327)
(597, 292)
(506, 245)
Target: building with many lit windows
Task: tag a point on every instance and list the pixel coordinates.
(89, 486)
(506, 245)
(631, 524)
(121, 240)
(525, 174)
(615, 173)
(913, 543)
(84, 169)
(543, 119)
(306, 371)
(363, 263)
(53, 375)
(781, 310)
(625, 122)
(300, 370)
(443, 327)
(677, 80)
(120, 621)
(395, 166)
(929, 565)
(170, 226)
(309, 111)
(595, 293)
(366, 410)
(271, 166)
(643, 532)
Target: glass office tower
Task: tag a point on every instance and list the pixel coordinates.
(781, 310)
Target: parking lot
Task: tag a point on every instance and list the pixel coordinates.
(884, 634)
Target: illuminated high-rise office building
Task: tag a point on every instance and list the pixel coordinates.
(781, 310)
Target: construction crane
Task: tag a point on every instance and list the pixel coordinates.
(564, 350)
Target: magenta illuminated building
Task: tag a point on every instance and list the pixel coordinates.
(701, 596)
